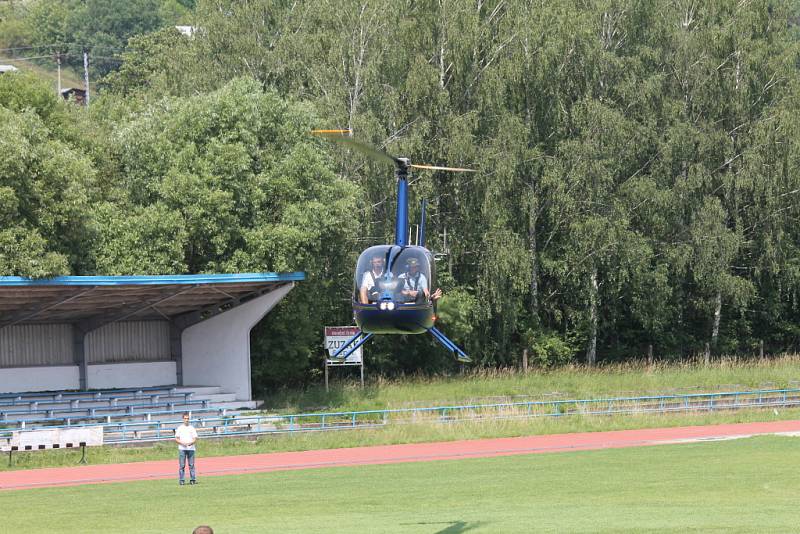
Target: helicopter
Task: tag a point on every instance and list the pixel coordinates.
(392, 291)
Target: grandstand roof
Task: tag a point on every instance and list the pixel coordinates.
(95, 300)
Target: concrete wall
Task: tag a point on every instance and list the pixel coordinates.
(46, 378)
(120, 375)
(217, 351)
(130, 375)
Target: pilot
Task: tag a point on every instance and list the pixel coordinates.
(368, 291)
(414, 285)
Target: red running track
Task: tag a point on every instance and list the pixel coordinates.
(418, 452)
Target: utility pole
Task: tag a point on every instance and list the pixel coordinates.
(58, 60)
(86, 74)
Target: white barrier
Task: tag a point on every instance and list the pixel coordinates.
(57, 438)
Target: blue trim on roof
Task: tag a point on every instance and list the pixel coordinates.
(188, 279)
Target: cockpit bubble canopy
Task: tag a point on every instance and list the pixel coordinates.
(383, 271)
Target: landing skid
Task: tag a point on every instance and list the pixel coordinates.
(449, 345)
(352, 344)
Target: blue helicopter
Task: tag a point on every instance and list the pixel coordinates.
(393, 283)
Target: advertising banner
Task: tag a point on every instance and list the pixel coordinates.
(335, 337)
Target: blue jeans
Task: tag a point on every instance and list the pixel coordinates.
(182, 457)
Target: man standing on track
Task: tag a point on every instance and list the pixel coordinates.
(186, 436)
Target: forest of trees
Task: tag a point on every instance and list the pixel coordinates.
(638, 184)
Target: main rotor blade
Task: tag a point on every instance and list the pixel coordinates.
(343, 136)
(437, 168)
(346, 132)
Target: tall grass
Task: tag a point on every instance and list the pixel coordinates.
(574, 381)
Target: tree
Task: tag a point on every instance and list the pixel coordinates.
(47, 185)
(232, 181)
(102, 27)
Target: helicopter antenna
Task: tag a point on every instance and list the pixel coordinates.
(421, 230)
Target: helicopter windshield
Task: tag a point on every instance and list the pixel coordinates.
(392, 273)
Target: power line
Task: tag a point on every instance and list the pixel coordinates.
(107, 58)
(28, 47)
(26, 58)
(80, 46)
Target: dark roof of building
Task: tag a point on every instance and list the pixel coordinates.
(91, 301)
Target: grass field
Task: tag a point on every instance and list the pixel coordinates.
(394, 434)
(747, 485)
(573, 382)
(569, 382)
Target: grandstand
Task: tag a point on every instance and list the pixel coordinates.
(122, 350)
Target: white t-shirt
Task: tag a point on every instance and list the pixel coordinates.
(186, 433)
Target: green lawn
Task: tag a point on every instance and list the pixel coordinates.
(396, 434)
(745, 485)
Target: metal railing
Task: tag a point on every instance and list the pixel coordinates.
(550, 408)
(236, 424)
(48, 396)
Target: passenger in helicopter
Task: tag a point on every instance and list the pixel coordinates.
(368, 292)
(414, 285)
